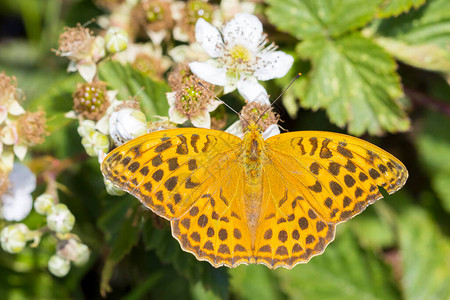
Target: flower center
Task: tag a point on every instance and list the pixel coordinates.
(198, 9)
(155, 12)
(240, 54)
(90, 100)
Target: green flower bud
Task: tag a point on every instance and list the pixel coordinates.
(74, 251)
(60, 219)
(86, 127)
(58, 266)
(14, 238)
(112, 189)
(43, 203)
(95, 142)
(116, 40)
(83, 254)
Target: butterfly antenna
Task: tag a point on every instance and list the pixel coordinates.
(217, 98)
(282, 93)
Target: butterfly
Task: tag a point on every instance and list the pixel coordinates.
(235, 201)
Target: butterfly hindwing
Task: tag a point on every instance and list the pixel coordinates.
(289, 230)
(215, 228)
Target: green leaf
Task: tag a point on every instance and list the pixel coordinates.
(343, 271)
(375, 228)
(320, 18)
(120, 222)
(63, 140)
(420, 38)
(130, 83)
(391, 8)
(199, 292)
(255, 282)
(355, 81)
(429, 24)
(168, 250)
(433, 144)
(425, 257)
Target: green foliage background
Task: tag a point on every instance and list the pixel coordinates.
(377, 68)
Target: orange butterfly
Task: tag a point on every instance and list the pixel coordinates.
(238, 201)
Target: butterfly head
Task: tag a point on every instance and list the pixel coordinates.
(254, 127)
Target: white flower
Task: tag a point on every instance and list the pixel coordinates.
(83, 50)
(127, 124)
(17, 201)
(14, 238)
(58, 266)
(197, 113)
(239, 55)
(60, 219)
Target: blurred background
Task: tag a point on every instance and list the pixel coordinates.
(377, 70)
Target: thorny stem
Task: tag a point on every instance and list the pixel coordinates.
(428, 101)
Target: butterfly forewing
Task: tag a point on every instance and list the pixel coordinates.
(337, 174)
(165, 169)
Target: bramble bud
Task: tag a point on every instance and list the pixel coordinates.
(116, 40)
(95, 142)
(14, 237)
(86, 127)
(60, 219)
(83, 254)
(127, 124)
(58, 266)
(112, 189)
(43, 203)
(73, 251)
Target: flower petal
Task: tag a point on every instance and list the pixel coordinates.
(171, 98)
(15, 109)
(175, 116)
(3, 113)
(236, 129)
(271, 131)
(9, 135)
(252, 91)
(244, 29)
(20, 150)
(202, 120)
(87, 70)
(23, 179)
(212, 105)
(16, 207)
(208, 37)
(103, 125)
(271, 65)
(6, 161)
(209, 73)
(157, 36)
